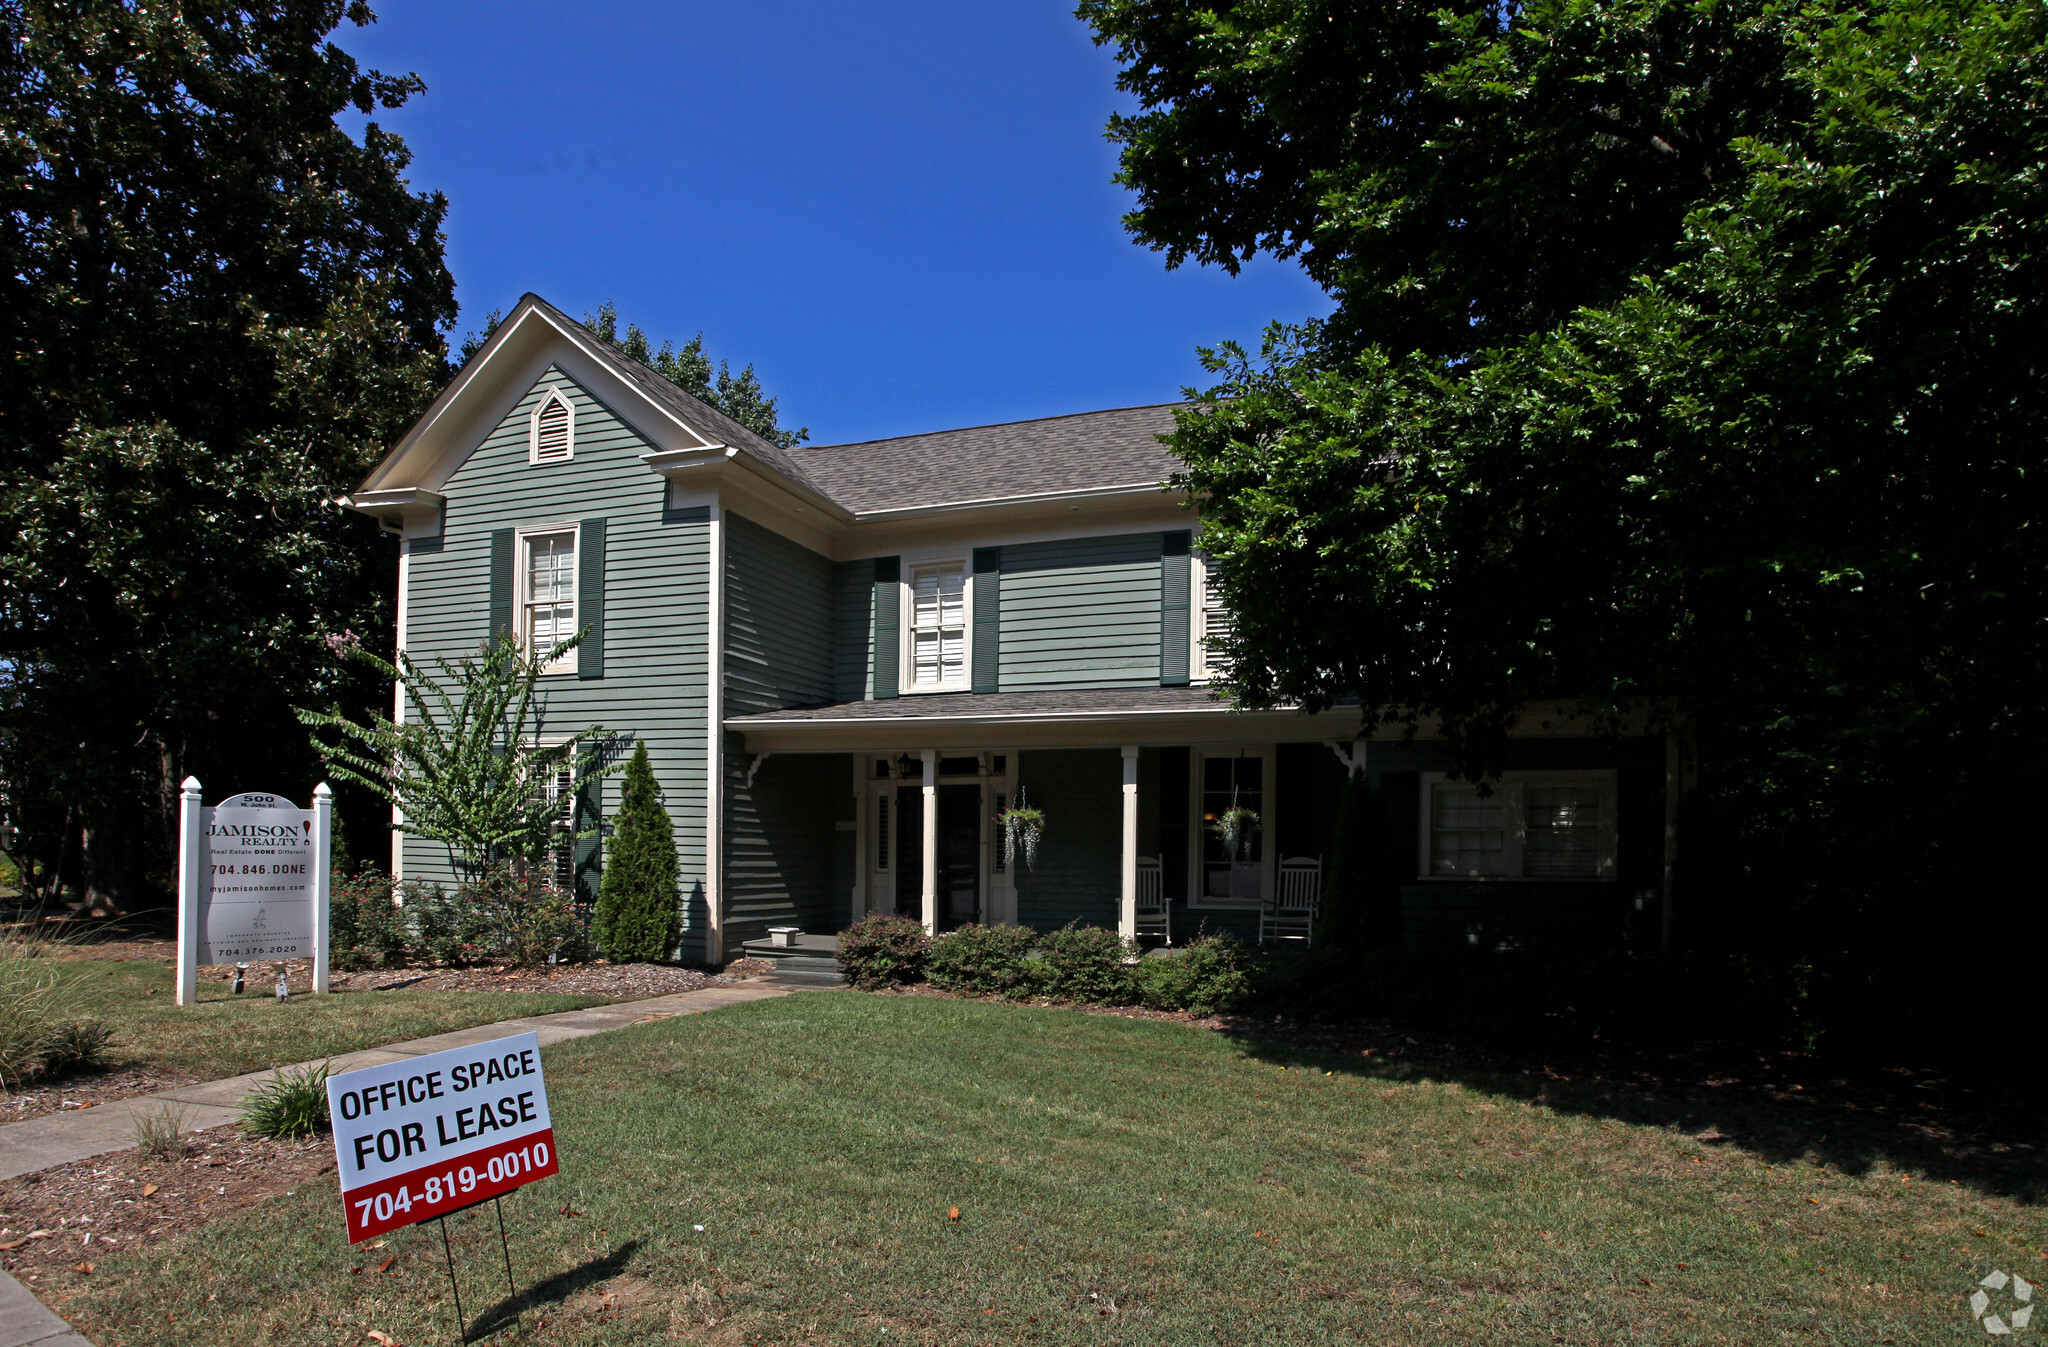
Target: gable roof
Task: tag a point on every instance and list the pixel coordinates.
(1084, 451)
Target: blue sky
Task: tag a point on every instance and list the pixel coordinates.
(900, 213)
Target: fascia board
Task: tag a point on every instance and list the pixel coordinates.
(1073, 730)
(1038, 499)
(711, 462)
(492, 383)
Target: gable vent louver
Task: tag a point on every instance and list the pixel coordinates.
(551, 431)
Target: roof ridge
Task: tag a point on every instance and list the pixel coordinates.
(987, 425)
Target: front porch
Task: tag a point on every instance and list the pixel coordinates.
(890, 806)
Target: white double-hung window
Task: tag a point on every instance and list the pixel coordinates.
(1529, 825)
(547, 585)
(938, 626)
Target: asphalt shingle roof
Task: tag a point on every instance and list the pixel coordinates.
(1083, 451)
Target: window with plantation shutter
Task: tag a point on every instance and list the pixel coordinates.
(938, 633)
(553, 435)
(548, 593)
(561, 789)
(1528, 825)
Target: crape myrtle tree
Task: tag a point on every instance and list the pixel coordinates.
(1681, 355)
(217, 308)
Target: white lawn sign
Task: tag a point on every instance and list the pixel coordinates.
(252, 882)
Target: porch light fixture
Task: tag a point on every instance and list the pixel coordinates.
(905, 765)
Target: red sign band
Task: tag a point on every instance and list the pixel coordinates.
(422, 1194)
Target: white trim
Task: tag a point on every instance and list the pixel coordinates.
(714, 742)
(398, 705)
(553, 395)
(522, 594)
(1509, 788)
(1127, 857)
(1268, 755)
(928, 888)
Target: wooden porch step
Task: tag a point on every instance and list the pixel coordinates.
(813, 956)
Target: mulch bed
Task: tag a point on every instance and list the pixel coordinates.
(619, 982)
(86, 1089)
(54, 1224)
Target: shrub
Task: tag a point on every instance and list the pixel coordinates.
(1087, 964)
(519, 916)
(28, 1008)
(638, 910)
(76, 1045)
(1212, 975)
(160, 1133)
(441, 929)
(365, 929)
(292, 1103)
(984, 961)
(883, 950)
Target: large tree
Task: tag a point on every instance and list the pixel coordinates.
(219, 307)
(1683, 355)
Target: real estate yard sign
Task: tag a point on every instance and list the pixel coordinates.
(252, 882)
(431, 1135)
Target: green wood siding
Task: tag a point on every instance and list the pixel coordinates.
(853, 629)
(1082, 612)
(778, 621)
(1077, 876)
(655, 599)
(780, 843)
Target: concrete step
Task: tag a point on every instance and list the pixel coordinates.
(797, 978)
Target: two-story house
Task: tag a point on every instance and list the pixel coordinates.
(845, 660)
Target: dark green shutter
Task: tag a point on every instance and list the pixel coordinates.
(590, 599)
(1173, 609)
(988, 591)
(888, 600)
(501, 582)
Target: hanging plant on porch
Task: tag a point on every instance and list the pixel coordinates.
(1022, 826)
(1235, 827)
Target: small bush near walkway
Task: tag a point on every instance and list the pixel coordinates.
(638, 910)
(884, 950)
(985, 961)
(40, 1036)
(1212, 975)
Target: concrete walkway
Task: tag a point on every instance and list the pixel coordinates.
(59, 1138)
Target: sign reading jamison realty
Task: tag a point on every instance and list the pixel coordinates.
(430, 1135)
(257, 882)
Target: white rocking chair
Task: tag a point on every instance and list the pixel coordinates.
(1297, 902)
(1155, 916)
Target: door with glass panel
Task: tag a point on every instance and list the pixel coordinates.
(1233, 819)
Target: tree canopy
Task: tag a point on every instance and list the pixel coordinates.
(1682, 355)
(220, 307)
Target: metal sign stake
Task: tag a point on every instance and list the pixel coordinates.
(461, 1324)
(511, 1287)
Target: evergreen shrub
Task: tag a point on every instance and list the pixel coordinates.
(985, 961)
(638, 905)
(884, 950)
(1212, 975)
(1087, 964)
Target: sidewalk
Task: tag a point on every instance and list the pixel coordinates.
(60, 1138)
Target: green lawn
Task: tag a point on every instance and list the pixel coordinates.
(1118, 1181)
(226, 1035)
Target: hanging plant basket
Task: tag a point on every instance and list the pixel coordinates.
(1022, 826)
(1235, 827)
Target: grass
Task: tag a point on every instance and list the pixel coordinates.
(226, 1035)
(1117, 1181)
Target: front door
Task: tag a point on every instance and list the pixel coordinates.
(959, 856)
(910, 852)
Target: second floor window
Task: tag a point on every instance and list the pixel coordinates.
(548, 578)
(1212, 623)
(938, 633)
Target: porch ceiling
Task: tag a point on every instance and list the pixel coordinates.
(1049, 719)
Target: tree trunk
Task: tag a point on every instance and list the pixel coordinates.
(110, 863)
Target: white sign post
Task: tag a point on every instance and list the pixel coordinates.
(428, 1136)
(252, 882)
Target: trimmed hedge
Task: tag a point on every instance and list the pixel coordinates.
(985, 961)
(1087, 964)
(884, 950)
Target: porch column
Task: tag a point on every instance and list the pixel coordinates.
(930, 890)
(1127, 906)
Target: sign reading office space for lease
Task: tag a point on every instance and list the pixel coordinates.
(430, 1135)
